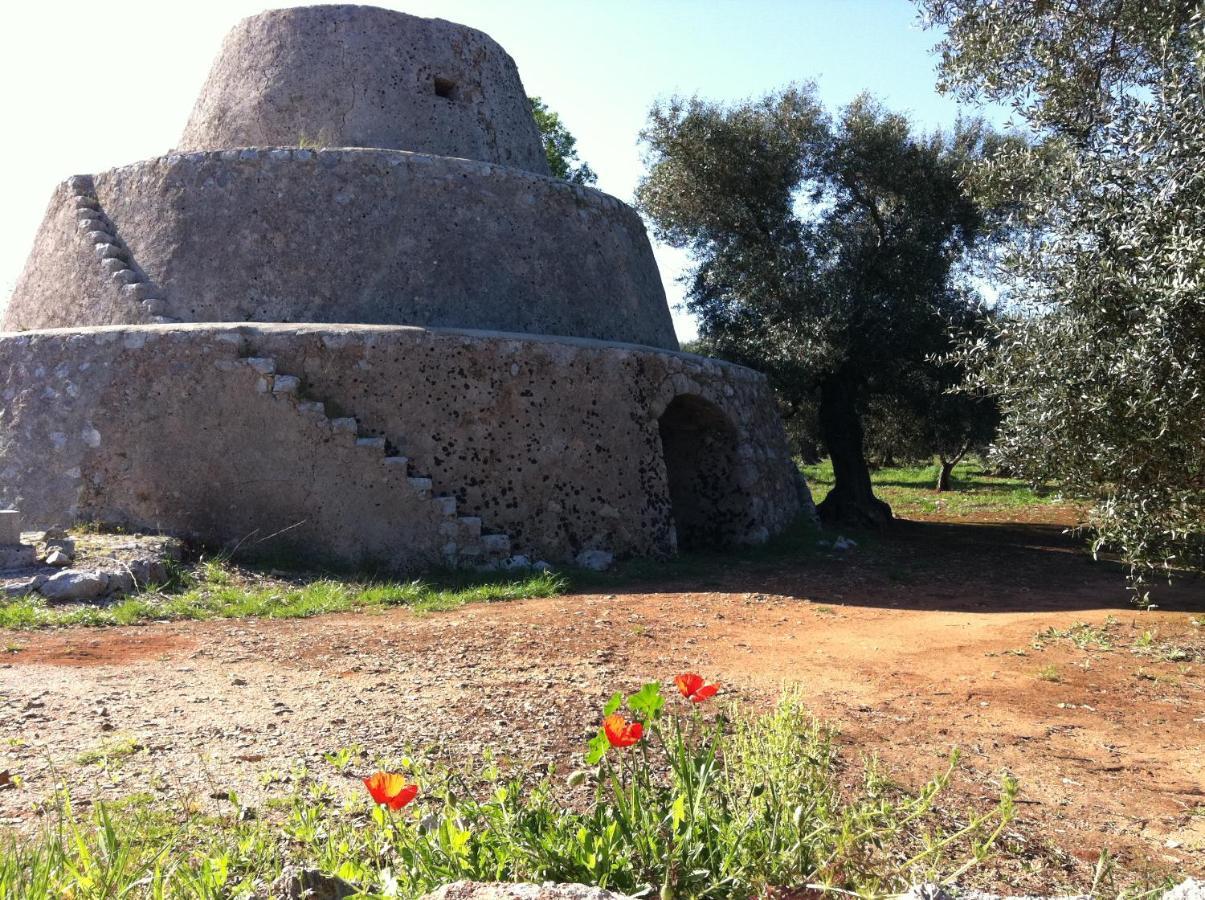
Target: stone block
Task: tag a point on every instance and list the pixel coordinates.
(497, 544)
(17, 556)
(10, 526)
(595, 560)
(73, 585)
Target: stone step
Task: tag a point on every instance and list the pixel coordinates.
(496, 544)
(465, 545)
(265, 365)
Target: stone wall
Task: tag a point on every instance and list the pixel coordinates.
(372, 236)
(554, 442)
(356, 76)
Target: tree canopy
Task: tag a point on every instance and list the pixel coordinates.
(828, 250)
(560, 146)
(1099, 360)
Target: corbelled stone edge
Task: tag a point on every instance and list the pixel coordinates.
(331, 156)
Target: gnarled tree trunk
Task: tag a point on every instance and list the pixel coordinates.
(947, 468)
(852, 500)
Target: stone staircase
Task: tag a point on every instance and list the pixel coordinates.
(465, 543)
(113, 256)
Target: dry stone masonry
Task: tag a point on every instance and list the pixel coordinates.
(405, 347)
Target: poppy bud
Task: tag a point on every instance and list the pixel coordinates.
(578, 778)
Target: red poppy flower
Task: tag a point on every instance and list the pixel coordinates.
(390, 789)
(693, 688)
(620, 732)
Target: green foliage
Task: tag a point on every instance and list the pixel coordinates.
(560, 146)
(929, 417)
(829, 251)
(216, 591)
(716, 808)
(1063, 65)
(1099, 365)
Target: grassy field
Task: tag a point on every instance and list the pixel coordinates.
(910, 490)
(217, 590)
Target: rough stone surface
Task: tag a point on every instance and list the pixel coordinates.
(1190, 889)
(373, 236)
(566, 426)
(479, 890)
(17, 556)
(57, 558)
(356, 76)
(21, 586)
(123, 562)
(595, 560)
(557, 443)
(71, 584)
(10, 526)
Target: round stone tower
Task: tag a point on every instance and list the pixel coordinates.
(357, 76)
(353, 319)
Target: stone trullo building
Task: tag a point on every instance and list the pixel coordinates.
(353, 317)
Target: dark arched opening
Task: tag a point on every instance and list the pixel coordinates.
(699, 444)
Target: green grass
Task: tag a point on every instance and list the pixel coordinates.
(215, 590)
(911, 490)
(716, 807)
(110, 753)
(1081, 634)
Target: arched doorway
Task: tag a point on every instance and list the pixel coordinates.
(699, 445)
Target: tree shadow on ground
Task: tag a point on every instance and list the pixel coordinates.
(923, 565)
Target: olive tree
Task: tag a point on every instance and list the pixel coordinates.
(827, 250)
(1099, 364)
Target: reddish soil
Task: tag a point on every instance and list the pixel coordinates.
(910, 645)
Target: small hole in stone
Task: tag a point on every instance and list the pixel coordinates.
(445, 87)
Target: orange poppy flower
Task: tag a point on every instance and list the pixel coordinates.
(693, 688)
(620, 732)
(390, 789)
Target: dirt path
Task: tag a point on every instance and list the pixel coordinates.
(910, 647)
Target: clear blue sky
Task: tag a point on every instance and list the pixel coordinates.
(99, 89)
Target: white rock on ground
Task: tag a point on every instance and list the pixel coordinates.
(58, 558)
(1192, 889)
(595, 560)
(71, 584)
